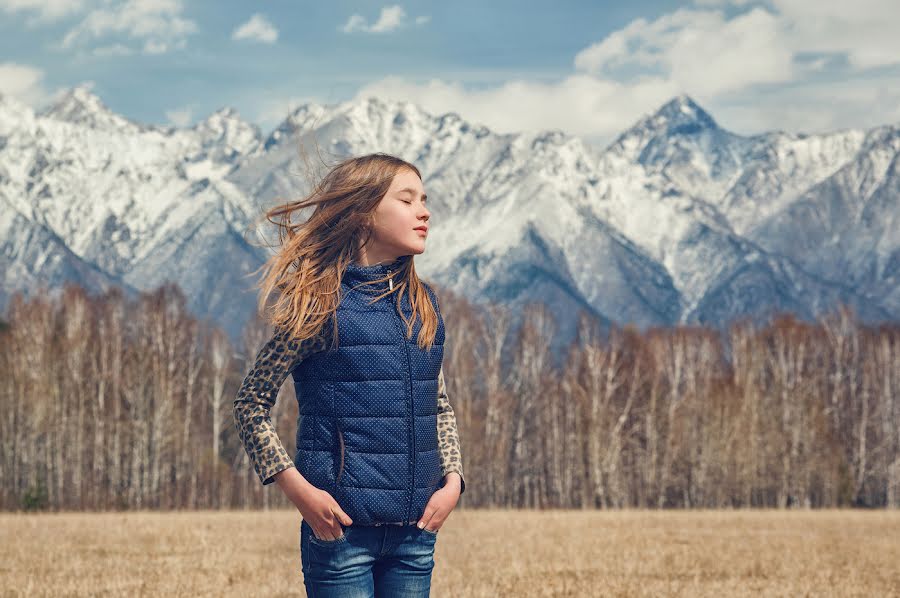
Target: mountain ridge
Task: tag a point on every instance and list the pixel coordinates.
(676, 221)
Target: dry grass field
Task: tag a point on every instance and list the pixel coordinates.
(478, 553)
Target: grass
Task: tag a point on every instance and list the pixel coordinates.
(478, 553)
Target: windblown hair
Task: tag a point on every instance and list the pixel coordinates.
(307, 268)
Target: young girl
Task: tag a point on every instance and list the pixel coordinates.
(378, 466)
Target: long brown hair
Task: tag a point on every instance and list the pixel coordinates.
(307, 268)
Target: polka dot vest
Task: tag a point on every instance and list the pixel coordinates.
(367, 430)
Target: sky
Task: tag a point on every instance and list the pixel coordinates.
(587, 68)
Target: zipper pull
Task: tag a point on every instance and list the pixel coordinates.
(391, 280)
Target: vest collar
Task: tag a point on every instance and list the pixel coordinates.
(357, 274)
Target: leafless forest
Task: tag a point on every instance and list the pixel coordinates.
(117, 404)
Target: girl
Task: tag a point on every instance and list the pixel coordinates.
(378, 466)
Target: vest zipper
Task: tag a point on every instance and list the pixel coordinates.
(341, 467)
(412, 411)
(412, 419)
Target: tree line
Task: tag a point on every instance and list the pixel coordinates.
(117, 403)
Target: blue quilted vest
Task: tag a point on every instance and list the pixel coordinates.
(367, 425)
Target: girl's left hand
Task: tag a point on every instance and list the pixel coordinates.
(441, 503)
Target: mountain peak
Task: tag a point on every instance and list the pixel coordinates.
(302, 116)
(79, 105)
(682, 114)
(226, 112)
(679, 118)
(369, 107)
(226, 130)
(223, 117)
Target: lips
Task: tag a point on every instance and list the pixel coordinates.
(424, 229)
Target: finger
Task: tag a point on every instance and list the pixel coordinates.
(324, 530)
(427, 517)
(341, 515)
(333, 529)
(433, 524)
(328, 534)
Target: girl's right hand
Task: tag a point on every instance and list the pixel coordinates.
(323, 514)
(318, 507)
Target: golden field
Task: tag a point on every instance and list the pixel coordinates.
(478, 553)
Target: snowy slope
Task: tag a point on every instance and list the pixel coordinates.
(677, 220)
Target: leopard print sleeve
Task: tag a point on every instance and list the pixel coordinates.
(256, 398)
(448, 435)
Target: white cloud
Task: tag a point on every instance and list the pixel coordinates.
(156, 46)
(391, 18)
(258, 28)
(23, 82)
(112, 50)
(795, 65)
(42, 11)
(579, 104)
(355, 23)
(180, 117)
(759, 45)
(159, 24)
(723, 2)
(698, 50)
(864, 30)
(817, 107)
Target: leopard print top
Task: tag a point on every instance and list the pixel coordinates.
(260, 388)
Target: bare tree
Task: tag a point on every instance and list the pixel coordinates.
(99, 409)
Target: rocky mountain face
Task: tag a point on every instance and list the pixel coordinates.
(676, 221)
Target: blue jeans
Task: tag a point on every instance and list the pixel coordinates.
(368, 561)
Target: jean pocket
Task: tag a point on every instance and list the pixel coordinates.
(340, 539)
(316, 540)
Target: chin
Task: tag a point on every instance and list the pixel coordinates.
(415, 249)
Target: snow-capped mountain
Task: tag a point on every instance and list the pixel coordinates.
(677, 220)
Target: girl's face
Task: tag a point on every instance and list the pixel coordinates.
(401, 220)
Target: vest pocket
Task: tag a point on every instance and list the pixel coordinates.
(341, 448)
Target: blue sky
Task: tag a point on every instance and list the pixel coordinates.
(588, 68)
